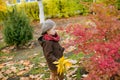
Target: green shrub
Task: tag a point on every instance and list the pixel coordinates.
(87, 0)
(71, 8)
(54, 8)
(63, 8)
(17, 30)
(118, 4)
(31, 9)
(1, 16)
(51, 8)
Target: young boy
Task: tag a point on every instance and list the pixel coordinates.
(51, 47)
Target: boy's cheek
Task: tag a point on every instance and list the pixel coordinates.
(54, 33)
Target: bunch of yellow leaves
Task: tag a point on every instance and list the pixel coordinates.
(62, 65)
(2, 6)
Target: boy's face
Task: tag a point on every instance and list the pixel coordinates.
(51, 31)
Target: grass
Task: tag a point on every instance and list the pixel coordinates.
(38, 59)
(3, 54)
(19, 66)
(78, 74)
(38, 69)
(76, 56)
(2, 44)
(4, 57)
(6, 54)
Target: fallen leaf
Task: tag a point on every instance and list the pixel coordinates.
(13, 69)
(9, 58)
(4, 78)
(24, 78)
(42, 57)
(73, 61)
(1, 75)
(5, 51)
(21, 61)
(42, 64)
(9, 63)
(42, 75)
(35, 54)
(21, 72)
(40, 79)
(32, 76)
(32, 45)
(69, 49)
(71, 72)
(84, 75)
(31, 65)
(8, 71)
(26, 63)
(27, 68)
(1, 66)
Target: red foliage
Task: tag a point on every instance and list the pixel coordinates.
(102, 40)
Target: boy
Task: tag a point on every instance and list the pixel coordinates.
(51, 47)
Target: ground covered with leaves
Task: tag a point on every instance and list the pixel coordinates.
(28, 62)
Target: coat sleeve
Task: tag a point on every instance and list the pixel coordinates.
(49, 51)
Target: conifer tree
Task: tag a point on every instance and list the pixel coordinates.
(17, 29)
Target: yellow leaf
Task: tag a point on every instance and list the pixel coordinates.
(68, 64)
(62, 65)
(2, 5)
(55, 62)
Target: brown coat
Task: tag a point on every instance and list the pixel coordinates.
(52, 52)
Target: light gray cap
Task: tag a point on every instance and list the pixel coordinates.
(47, 25)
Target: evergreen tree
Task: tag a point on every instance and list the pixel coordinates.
(17, 29)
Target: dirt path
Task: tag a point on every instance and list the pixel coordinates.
(27, 53)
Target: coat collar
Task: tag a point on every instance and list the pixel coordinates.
(51, 37)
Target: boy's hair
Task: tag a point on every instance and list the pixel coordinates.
(47, 25)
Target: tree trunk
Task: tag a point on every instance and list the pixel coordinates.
(41, 10)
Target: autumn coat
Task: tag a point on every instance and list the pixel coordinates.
(52, 51)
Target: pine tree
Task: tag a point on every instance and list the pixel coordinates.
(17, 29)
